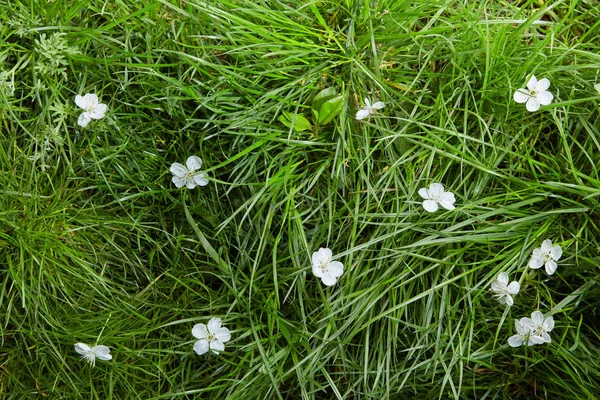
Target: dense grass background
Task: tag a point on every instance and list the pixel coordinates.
(97, 245)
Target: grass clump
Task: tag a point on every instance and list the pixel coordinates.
(97, 245)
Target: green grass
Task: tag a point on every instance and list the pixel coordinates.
(98, 246)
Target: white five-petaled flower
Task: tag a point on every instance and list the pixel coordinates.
(436, 195)
(211, 337)
(324, 268)
(539, 326)
(547, 256)
(91, 353)
(535, 95)
(504, 291)
(369, 109)
(189, 176)
(93, 109)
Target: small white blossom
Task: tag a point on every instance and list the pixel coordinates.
(535, 95)
(324, 268)
(539, 326)
(93, 109)
(91, 353)
(189, 176)
(524, 335)
(436, 195)
(547, 256)
(597, 87)
(504, 291)
(211, 337)
(369, 109)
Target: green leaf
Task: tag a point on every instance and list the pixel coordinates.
(330, 109)
(297, 121)
(323, 96)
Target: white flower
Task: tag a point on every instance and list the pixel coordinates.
(324, 268)
(503, 290)
(535, 94)
(539, 326)
(547, 256)
(91, 353)
(369, 109)
(436, 195)
(212, 337)
(92, 108)
(189, 176)
(524, 335)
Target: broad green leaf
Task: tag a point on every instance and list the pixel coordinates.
(297, 121)
(323, 96)
(330, 109)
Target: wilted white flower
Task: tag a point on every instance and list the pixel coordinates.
(369, 109)
(535, 94)
(547, 256)
(211, 337)
(504, 291)
(324, 268)
(539, 326)
(93, 109)
(436, 195)
(91, 353)
(189, 176)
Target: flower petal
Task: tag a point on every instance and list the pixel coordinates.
(545, 98)
(193, 163)
(515, 341)
(317, 271)
(82, 348)
(201, 346)
(508, 300)
(556, 253)
(90, 99)
(200, 179)
(322, 257)
(498, 286)
(536, 262)
(328, 279)
(551, 267)
(199, 331)
(532, 104)
(190, 184)
(503, 278)
(531, 82)
(178, 170)
(435, 190)
(223, 335)
(535, 339)
(102, 352)
(179, 181)
(216, 346)
(521, 96)
(378, 106)
(367, 103)
(362, 114)
(80, 101)
(84, 119)
(447, 200)
(546, 246)
(335, 268)
(542, 85)
(548, 324)
(514, 287)
(537, 317)
(430, 205)
(214, 325)
(423, 193)
(99, 111)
